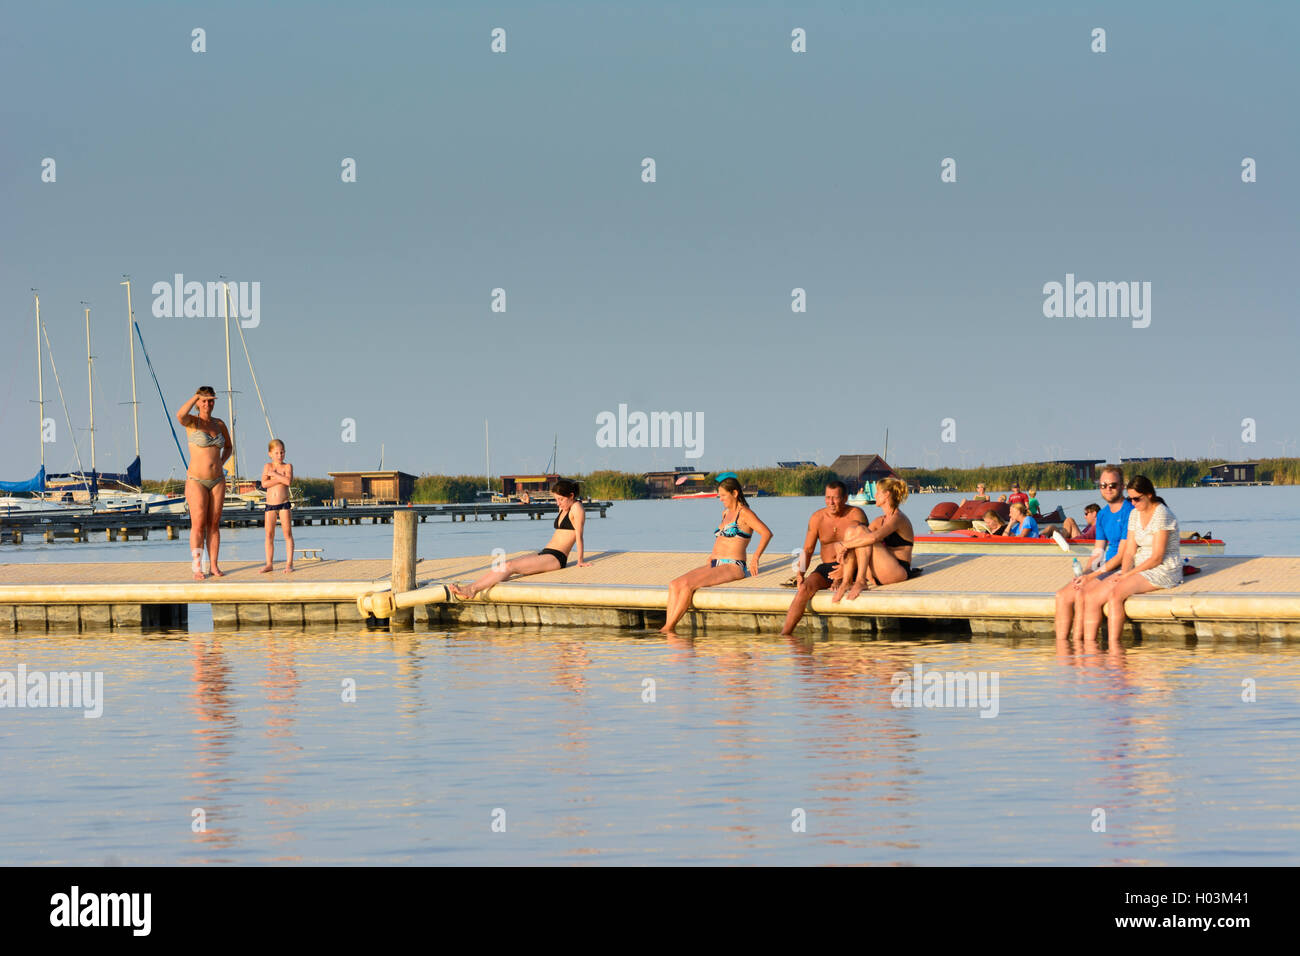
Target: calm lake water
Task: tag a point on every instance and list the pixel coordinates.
(551, 733)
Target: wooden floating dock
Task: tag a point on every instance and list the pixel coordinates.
(1234, 598)
(17, 527)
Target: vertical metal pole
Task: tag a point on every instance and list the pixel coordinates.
(90, 388)
(130, 342)
(230, 393)
(40, 384)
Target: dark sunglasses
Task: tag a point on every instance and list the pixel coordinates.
(1108, 484)
(1134, 500)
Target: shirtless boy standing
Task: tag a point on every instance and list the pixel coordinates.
(827, 526)
(277, 476)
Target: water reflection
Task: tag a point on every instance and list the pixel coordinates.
(740, 732)
(281, 686)
(213, 733)
(1134, 748)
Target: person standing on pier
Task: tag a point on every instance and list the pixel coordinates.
(730, 542)
(277, 476)
(205, 484)
(826, 526)
(569, 525)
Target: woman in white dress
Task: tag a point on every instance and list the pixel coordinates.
(1150, 560)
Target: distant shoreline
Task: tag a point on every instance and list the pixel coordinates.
(811, 480)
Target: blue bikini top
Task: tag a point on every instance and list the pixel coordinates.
(732, 530)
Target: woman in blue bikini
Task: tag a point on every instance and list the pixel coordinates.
(730, 541)
(205, 482)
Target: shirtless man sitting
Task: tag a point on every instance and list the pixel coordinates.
(827, 526)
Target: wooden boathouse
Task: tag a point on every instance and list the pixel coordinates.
(857, 471)
(1232, 473)
(373, 487)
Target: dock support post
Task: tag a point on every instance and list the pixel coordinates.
(403, 577)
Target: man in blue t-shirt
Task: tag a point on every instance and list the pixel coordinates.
(1112, 530)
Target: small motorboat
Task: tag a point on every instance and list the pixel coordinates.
(867, 496)
(949, 516)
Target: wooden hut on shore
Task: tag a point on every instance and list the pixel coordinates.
(857, 470)
(373, 487)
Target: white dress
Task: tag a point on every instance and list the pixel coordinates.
(1169, 572)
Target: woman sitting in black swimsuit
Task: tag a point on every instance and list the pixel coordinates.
(880, 553)
(568, 527)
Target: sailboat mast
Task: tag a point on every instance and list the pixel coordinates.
(230, 388)
(40, 383)
(130, 343)
(90, 389)
(487, 449)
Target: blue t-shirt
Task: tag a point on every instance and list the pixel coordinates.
(1024, 529)
(1112, 527)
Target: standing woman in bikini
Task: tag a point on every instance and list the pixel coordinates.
(568, 526)
(205, 481)
(728, 561)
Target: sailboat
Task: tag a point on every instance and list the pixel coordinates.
(113, 491)
(81, 490)
(36, 484)
(487, 495)
(36, 487)
(246, 490)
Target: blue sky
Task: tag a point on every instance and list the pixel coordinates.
(775, 170)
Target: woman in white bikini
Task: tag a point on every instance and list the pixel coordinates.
(205, 483)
